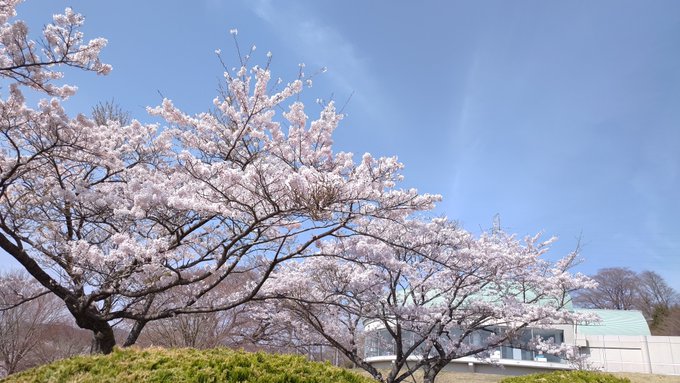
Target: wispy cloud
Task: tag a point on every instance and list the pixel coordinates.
(321, 45)
(465, 140)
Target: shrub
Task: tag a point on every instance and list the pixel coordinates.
(187, 365)
(567, 377)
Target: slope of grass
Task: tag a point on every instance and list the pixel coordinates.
(187, 365)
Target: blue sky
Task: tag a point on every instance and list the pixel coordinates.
(561, 117)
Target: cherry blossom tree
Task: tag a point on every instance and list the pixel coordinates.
(112, 218)
(433, 292)
(32, 140)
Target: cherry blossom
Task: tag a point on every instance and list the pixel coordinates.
(435, 291)
(114, 218)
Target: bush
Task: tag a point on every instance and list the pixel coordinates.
(567, 377)
(187, 365)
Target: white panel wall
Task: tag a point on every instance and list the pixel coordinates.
(648, 354)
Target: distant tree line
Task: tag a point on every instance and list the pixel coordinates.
(35, 331)
(621, 288)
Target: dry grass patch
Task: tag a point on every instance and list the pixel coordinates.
(462, 377)
(648, 378)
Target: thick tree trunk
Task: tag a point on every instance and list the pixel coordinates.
(103, 341)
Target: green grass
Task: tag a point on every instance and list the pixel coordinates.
(187, 365)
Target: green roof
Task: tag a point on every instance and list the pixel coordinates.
(484, 295)
(615, 322)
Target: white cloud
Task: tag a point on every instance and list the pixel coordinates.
(320, 46)
(466, 141)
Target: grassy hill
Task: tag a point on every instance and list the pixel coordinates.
(224, 365)
(187, 365)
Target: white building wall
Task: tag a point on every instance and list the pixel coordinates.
(646, 354)
(664, 352)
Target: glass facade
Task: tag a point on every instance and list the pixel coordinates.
(380, 343)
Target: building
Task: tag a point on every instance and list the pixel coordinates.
(620, 342)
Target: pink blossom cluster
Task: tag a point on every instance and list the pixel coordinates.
(31, 62)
